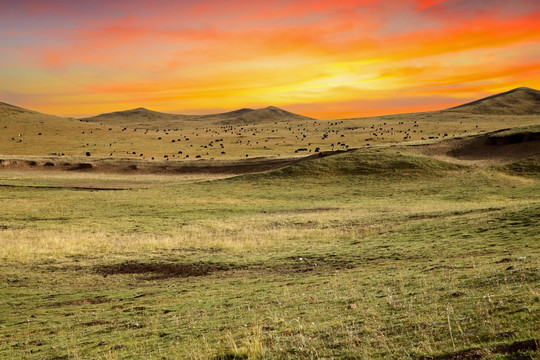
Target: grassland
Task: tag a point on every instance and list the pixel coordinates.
(375, 254)
(30, 134)
(165, 242)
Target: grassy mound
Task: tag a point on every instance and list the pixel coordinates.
(520, 101)
(369, 163)
(527, 167)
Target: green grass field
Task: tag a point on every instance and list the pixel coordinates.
(372, 254)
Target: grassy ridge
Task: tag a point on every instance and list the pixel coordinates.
(374, 163)
(368, 254)
(527, 167)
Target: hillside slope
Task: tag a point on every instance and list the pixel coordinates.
(502, 146)
(264, 115)
(21, 119)
(520, 101)
(366, 163)
(28, 132)
(144, 118)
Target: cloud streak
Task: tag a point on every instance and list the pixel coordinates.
(227, 54)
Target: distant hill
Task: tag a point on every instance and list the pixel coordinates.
(15, 114)
(520, 101)
(142, 117)
(139, 117)
(8, 109)
(250, 116)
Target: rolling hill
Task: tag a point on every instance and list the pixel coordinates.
(144, 118)
(8, 108)
(251, 116)
(18, 120)
(247, 133)
(9, 112)
(519, 101)
(139, 117)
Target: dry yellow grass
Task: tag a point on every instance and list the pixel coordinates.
(48, 135)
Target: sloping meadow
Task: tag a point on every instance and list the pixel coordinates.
(366, 254)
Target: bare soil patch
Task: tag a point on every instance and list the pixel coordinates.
(479, 353)
(81, 188)
(487, 147)
(299, 211)
(97, 322)
(156, 271)
(187, 167)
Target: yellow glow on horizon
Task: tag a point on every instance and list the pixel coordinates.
(412, 55)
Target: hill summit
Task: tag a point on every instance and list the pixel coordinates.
(6, 109)
(250, 116)
(149, 118)
(519, 101)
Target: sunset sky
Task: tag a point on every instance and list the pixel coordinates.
(322, 58)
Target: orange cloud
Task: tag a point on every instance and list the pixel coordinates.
(206, 54)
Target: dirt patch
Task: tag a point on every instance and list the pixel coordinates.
(155, 271)
(82, 166)
(299, 211)
(492, 147)
(479, 353)
(97, 322)
(80, 188)
(531, 344)
(186, 167)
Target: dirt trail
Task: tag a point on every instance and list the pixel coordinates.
(120, 166)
